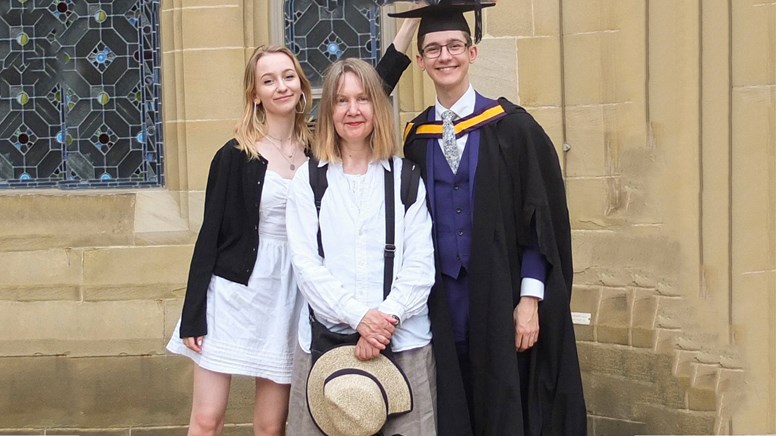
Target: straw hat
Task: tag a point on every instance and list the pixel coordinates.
(350, 397)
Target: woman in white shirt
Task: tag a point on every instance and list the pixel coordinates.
(356, 138)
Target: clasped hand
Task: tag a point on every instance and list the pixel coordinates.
(376, 329)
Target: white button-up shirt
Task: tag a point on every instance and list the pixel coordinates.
(348, 282)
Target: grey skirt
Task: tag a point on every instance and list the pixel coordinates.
(419, 367)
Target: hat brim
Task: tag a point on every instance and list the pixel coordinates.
(446, 8)
(391, 377)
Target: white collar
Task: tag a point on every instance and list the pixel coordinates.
(463, 107)
(383, 162)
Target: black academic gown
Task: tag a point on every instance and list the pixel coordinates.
(518, 180)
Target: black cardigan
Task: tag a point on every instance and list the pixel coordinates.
(228, 240)
(229, 236)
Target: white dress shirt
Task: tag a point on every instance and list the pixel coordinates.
(463, 108)
(348, 282)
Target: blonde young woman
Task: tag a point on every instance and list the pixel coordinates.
(241, 308)
(355, 138)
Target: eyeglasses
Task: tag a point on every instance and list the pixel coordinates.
(432, 51)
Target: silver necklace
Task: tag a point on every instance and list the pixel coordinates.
(290, 158)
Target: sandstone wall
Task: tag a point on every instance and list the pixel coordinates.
(663, 113)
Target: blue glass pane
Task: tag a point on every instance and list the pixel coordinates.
(321, 31)
(80, 94)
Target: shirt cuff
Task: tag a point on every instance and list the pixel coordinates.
(392, 308)
(354, 312)
(532, 288)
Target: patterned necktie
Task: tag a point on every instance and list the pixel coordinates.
(449, 148)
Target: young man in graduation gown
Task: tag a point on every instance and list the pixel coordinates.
(503, 338)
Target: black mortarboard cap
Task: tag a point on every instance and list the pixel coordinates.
(447, 15)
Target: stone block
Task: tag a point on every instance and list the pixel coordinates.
(160, 211)
(586, 135)
(172, 313)
(546, 16)
(701, 399)
(644, 309)
(229, 430)
(44, 221)
(731, 380)
(22, 431)
(595, 15)
(666, 420)
(754, 116)
(753, 43)
(166, 238)
(87, 432)
(116, 267)
(203, 70)
(196, 209)
(685, 363)
(203, 139)
(643, 337)
(586, 300)
(614, 396)
(80, 329)
(34, 292)
(584, 61)
(604, 67)
(630, 363)
(175, 172)
(752, 314)
(607, 140)
(539, 71)
(94, 393)
(149, 394)
(161, 431)
(45, 268)
(616, 427)
(666, 339)
(238, 430)
(551, 120)
(511, 18)
(706, 377)
(494, 72)
(589, 200)
(228, 20)
(614, 317)
(671, 312)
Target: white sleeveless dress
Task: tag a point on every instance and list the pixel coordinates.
(252, 329)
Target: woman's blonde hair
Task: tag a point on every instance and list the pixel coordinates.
(382, 140)
(253, 125)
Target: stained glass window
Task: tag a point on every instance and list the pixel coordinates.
(321, 31)
(80, 94)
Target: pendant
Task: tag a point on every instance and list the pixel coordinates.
(293, 167)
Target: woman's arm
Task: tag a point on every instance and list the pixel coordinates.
(193, 318)
(323, 292)
(403, 38)
(395, 60)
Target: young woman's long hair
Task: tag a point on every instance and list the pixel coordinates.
(253, 125)
(382, 140)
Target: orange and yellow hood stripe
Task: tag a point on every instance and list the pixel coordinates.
(433, 129)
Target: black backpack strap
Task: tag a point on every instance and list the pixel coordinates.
(390, 231)
(319, 183)
(410, 179)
